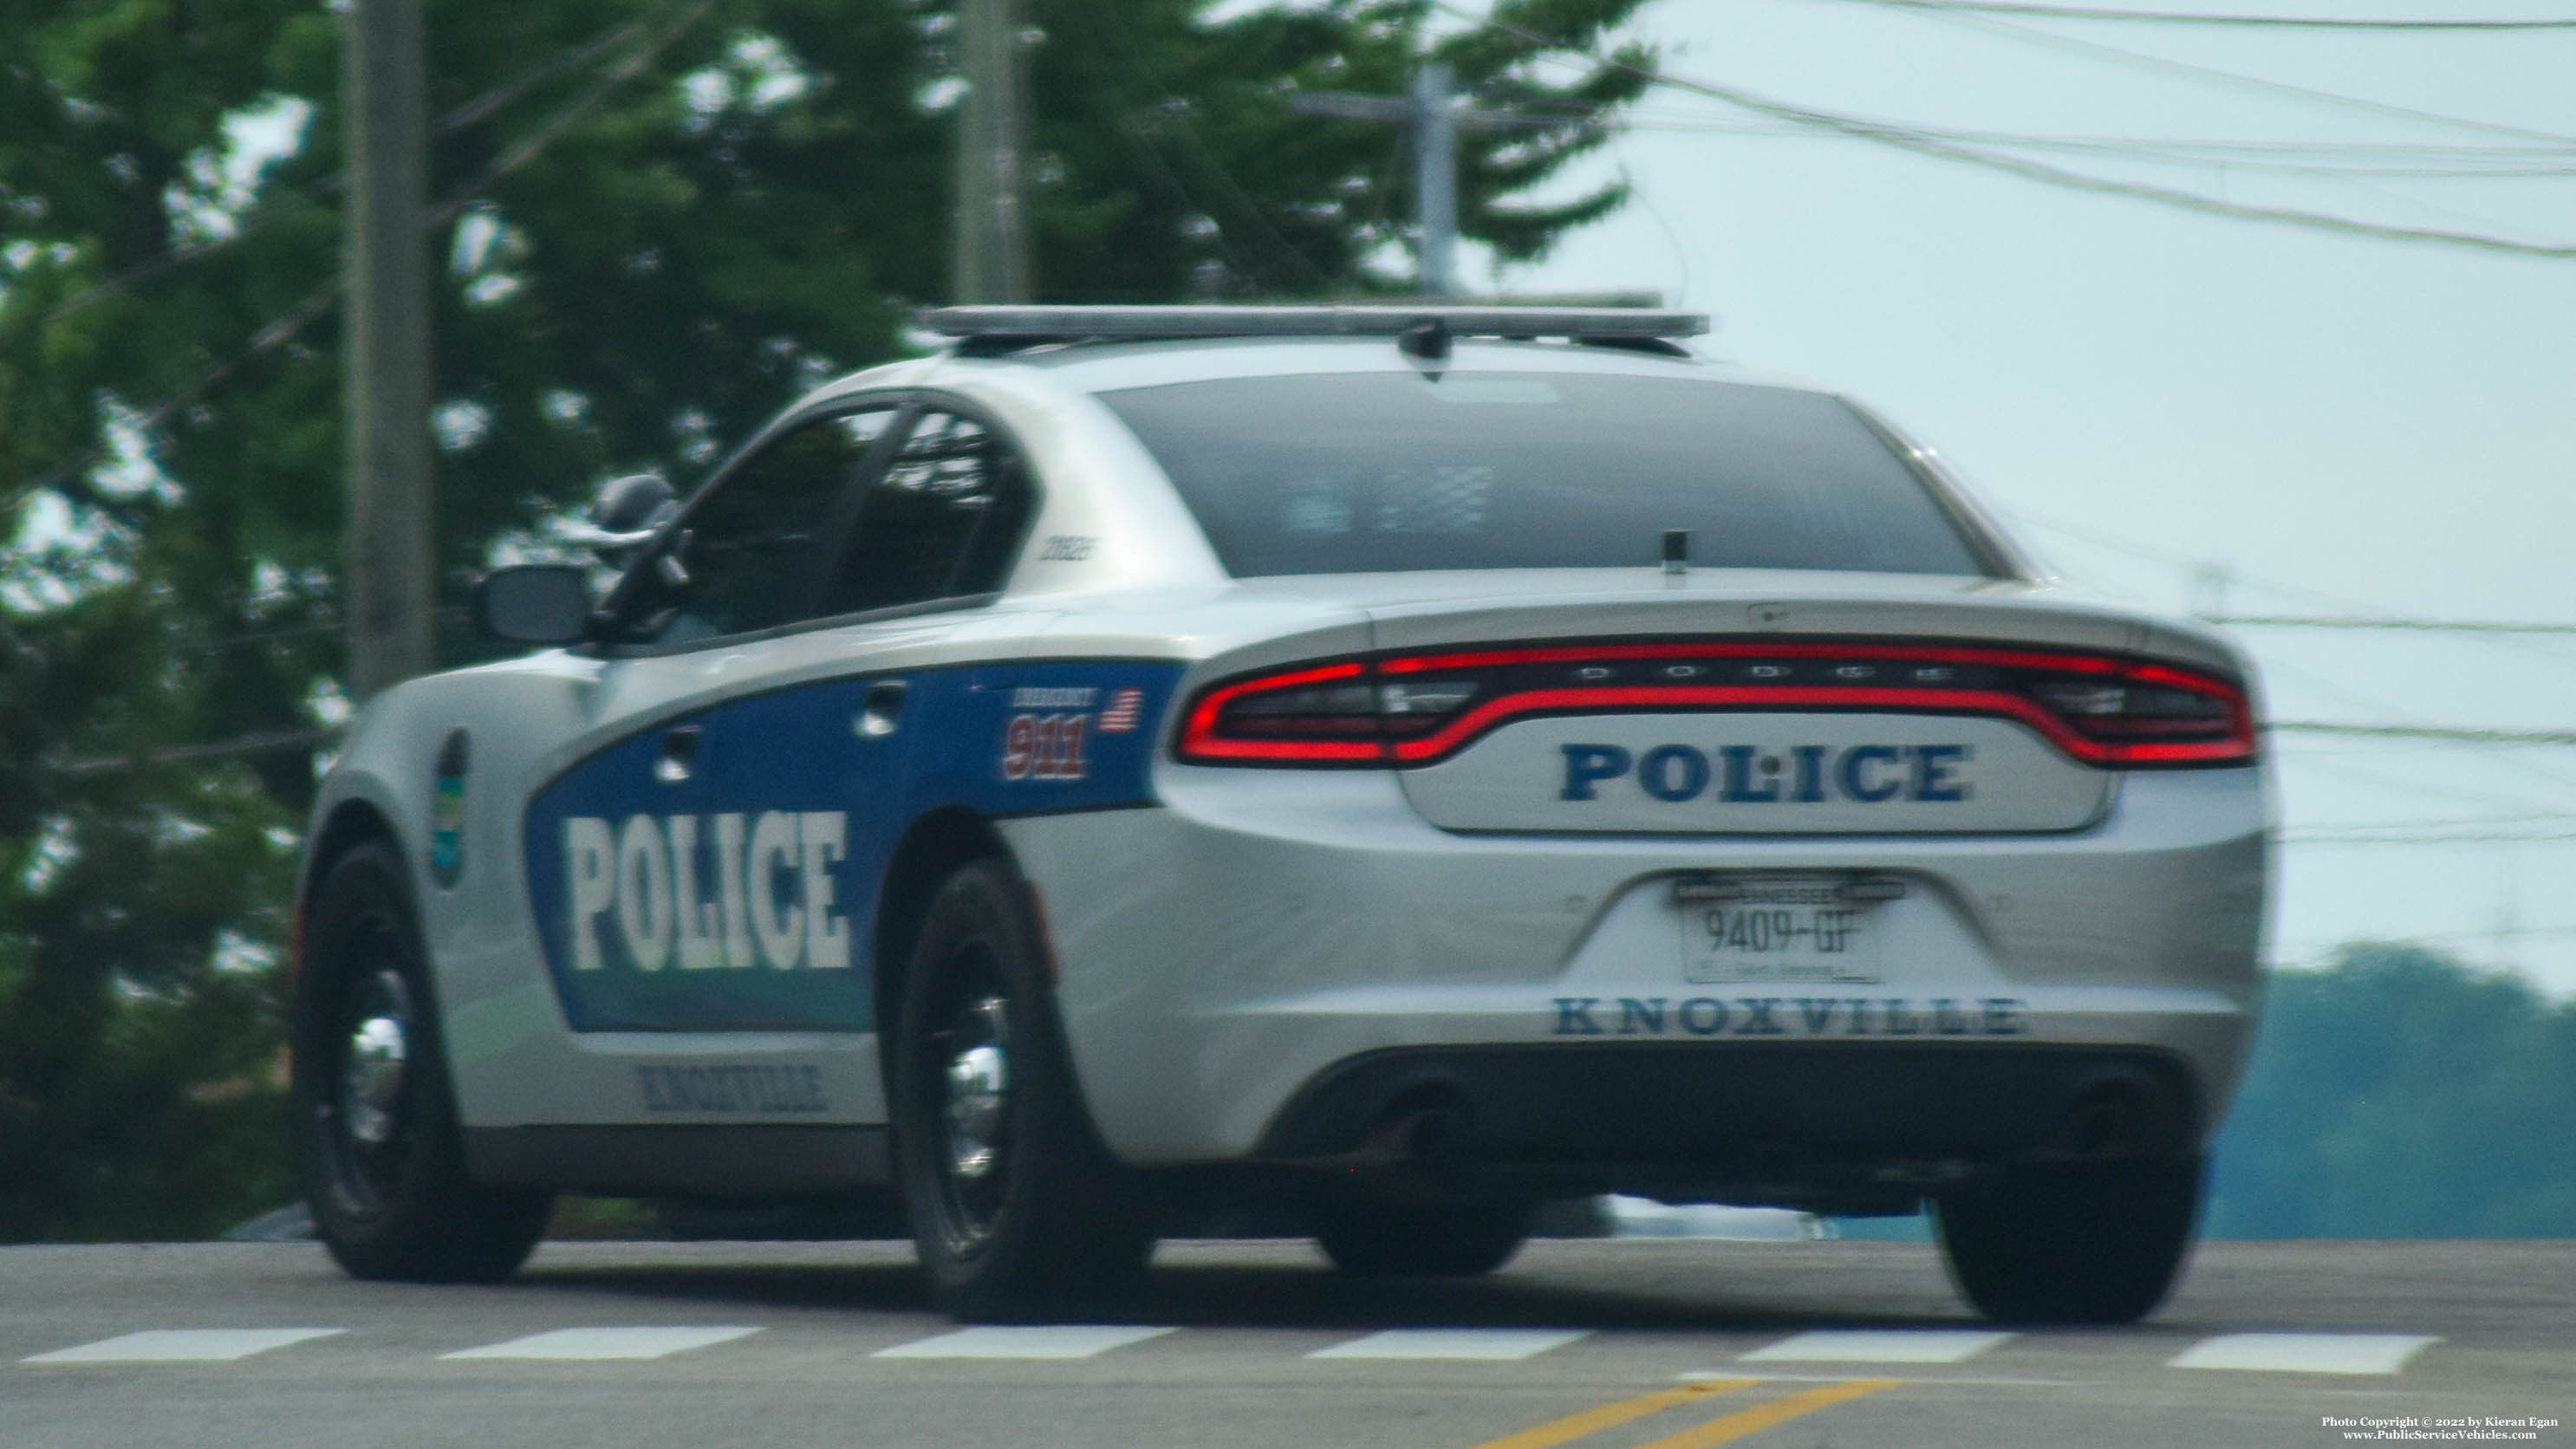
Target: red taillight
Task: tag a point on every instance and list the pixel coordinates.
(1419, 708)
(1251, 721)
(2152, 714)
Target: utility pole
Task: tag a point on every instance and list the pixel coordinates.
(992, 229)
(387, 347)
(2209, 585)
(1435, 118)
(1435, 177)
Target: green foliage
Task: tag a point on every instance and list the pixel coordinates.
(2396, 1094)
(139, 1021)
(2401, 1095)
(657, 224)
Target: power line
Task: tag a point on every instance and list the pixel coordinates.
(537, 75)
(2429, 626)
(2335, 765)
(2179, 17)
(258, 742)
(279, 330)
(554, 125)
(2461, 735)
(2352, 608)
(2490, 633)
(1178, 111)
(1639, 119)
(2134, 58)
(319, 301)
(1931, 145)
(2470, 822)
(1907, 138)
(2333, 162)
(2505, 753)
(458, 119)
(2448, 837)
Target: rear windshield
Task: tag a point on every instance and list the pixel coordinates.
(1378, 472)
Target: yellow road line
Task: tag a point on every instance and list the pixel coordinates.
(1610, 1416)
(1728, 1428)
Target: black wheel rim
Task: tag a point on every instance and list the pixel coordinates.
(965, 1087)
(367, 1092)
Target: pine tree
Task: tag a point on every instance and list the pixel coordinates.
(657, 225)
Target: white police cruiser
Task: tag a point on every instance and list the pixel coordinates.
(1399, 765)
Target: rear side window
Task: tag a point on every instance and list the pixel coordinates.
(1381, 472)
(941, 522)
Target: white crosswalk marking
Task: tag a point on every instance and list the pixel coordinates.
(1462, 1343)
(184, 1345)
(1064, 1341)
(2306, 1353)
(1880, 1345)
(605, 1343)
(2309, 1353)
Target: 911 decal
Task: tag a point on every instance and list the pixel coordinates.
(1050, 746)
(1045, 747)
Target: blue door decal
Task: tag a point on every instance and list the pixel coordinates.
(719, 871)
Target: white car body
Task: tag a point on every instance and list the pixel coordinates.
(1261, 966)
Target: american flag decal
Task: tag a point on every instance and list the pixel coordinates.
(1124, 708)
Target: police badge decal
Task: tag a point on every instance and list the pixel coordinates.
(447, 812)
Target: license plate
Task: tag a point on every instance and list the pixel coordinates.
(1781, 928)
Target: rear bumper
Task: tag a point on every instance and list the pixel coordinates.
(1830, 1125)
(1244, 970)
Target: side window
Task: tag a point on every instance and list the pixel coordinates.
(747, 549)
(941, 523)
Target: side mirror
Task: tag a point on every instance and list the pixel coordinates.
(534, 604)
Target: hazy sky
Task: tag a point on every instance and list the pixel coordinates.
(2352, 426)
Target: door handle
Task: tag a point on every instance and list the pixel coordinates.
(881, 708)
(679, 760)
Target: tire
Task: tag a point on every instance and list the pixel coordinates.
(1017, 1209)
(1373, 1237)
(2072, 1243)
(376, 1136)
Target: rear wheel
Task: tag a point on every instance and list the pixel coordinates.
(1375, 1237)
(375, 1123)
(2072, 1242)
(1017, 1208)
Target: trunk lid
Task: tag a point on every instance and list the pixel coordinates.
(1732, 702)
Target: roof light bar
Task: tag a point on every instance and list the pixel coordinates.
(1461, 320)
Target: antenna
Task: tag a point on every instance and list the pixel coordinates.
(1427, 339)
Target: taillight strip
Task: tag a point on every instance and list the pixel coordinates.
(1201, 741)
(1200, 738)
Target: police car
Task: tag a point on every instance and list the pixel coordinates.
(1395, 766)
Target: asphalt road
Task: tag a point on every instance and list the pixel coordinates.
(1601, 1344)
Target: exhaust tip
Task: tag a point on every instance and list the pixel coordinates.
(1428, 1124)
(2113, 1119)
